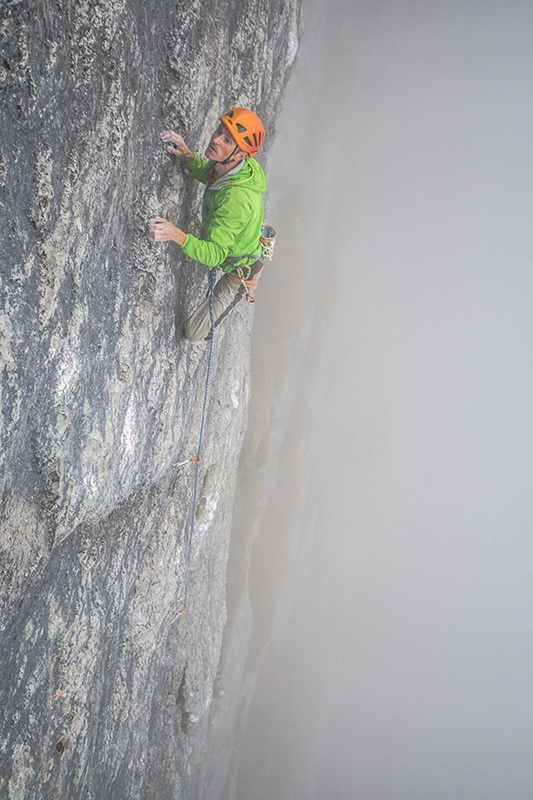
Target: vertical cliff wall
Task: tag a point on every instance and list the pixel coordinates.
(104, 685)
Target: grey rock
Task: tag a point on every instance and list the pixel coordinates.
(105, 681)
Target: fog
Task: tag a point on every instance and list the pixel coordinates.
(391, 426)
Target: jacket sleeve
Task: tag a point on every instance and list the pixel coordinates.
(231, 217)
(199, 168)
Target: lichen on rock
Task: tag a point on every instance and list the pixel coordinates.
(105, 684)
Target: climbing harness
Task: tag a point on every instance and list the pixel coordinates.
(249, 282)
(249, 285)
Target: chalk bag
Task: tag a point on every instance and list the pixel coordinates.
(268, 240)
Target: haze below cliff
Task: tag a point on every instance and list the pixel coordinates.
(391, 428)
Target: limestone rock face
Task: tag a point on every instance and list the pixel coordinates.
(104, 683)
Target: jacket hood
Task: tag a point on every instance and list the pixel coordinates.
(250, 175)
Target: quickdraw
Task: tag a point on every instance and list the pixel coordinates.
(249, 285)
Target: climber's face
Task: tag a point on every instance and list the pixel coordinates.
(222, 145)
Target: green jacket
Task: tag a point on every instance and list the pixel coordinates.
(232, 214)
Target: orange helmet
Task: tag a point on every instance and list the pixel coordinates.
(246, 128)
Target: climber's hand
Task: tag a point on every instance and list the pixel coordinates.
(160, 230)
(177, 145)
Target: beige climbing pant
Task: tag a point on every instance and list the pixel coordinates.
(228, 292)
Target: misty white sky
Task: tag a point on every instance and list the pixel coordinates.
(402, 660)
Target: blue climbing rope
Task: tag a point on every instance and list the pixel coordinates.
(197, 459)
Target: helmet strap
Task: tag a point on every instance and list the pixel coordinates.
(230, 157)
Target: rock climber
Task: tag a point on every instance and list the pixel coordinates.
(232, 214)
